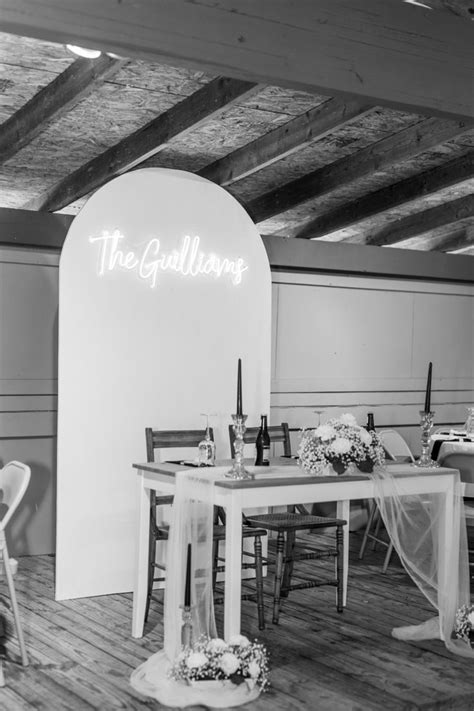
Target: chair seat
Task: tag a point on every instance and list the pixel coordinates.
(292, 521)
(247, 532)
(218, 532)
(164, 500)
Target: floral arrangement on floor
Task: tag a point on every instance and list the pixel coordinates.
(464, 624)
(340, 442)
(238, 660)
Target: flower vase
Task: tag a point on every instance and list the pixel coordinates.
(367, 466)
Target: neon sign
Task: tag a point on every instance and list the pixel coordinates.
(188, 260)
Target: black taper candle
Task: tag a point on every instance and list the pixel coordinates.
(239, 388)
(187, 586)
(428, 389)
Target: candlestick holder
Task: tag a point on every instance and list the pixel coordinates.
(238, 471)
(187, 626)
(426, 424)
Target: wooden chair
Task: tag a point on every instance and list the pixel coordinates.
(286, 525)
(14, 480)
(167, 439)
(396, 450)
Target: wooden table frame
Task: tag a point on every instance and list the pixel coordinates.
(279, 485)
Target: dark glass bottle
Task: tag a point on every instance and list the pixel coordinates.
(263, 444)
(370, 426)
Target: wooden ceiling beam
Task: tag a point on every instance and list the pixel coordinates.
(431, 181)
(392, 53)
(420, 222)
(462, 239)
(400, 146)
(53, 101)
(187, 115)
(284, 140)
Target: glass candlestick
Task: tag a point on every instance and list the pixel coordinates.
(187, 626)
(426, 424)
(238, 471)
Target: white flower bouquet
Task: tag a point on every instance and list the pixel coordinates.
(340, 442)
(238, 660)
(464, 624)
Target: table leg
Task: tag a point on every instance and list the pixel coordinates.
(448, 543)
(233, 570)
(343, 511)
(141, 573)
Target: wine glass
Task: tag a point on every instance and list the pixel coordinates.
(469, 424)
(207, 447)
(318, 413)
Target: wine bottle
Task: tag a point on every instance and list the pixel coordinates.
(263, 444)
(370, 426)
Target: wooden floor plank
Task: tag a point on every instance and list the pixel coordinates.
(82, 652)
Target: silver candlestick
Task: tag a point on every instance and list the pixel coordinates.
(186, 627)
(426, 424)
(238, 471)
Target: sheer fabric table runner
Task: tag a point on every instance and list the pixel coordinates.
(283, 484)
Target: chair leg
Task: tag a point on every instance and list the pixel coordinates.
(259, 582)
(368, 527)
(280, 546)
(378, 520)
(151, 554)
(16, 611)
(339, 568)
(288, 569)
(388, 555)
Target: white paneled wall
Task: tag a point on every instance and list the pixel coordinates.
(346, 343)
(339, 343)
(28, 389)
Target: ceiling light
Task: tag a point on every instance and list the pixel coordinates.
(421, 4)
(83, 52)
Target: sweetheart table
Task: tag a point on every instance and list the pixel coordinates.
(277, 485)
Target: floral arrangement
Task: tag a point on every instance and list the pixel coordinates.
(237, 660)
(340, 442)
(464, 623)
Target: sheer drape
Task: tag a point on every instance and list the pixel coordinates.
(417, 525)
(193, 513)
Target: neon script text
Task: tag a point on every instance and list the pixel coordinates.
(188, 260)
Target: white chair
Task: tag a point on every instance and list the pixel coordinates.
(395, 446)
(14, 480)
(398, 450)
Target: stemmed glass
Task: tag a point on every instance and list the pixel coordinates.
(318, 413)
(207, 447)
(469, 424)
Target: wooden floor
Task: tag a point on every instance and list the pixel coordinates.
(82, 653)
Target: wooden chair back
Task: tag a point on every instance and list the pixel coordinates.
(278, 433)
(167, 439)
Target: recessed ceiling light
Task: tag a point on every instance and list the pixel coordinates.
(83, 52)
(421, 4)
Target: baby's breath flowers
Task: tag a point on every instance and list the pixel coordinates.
(464, 624)
(239, 660)
(339, 442)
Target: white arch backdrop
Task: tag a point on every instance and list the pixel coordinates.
(164, 284)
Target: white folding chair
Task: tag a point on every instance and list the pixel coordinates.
(14, 480)
(395, 446)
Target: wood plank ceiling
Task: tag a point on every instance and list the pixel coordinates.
(303, 165)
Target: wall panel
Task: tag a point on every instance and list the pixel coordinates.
(28, 389)
(363, 344)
